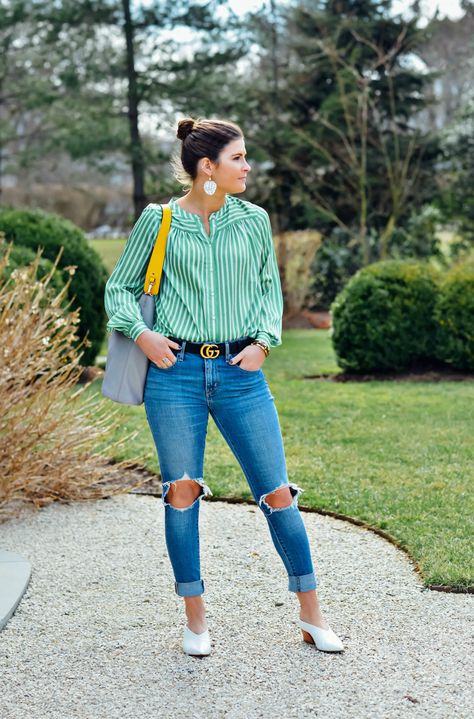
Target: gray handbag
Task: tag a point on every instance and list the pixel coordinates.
(126, 365)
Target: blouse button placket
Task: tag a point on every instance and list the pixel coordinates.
(212, 313)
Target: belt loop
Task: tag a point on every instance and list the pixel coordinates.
(227, 353)
(182, 350)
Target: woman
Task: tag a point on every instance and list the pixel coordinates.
(218, 312)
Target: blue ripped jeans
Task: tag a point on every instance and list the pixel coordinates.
(177, 401)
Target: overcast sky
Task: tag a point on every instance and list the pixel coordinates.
(447, 7)
(450, 8)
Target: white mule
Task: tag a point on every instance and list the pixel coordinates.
(196, 644)
(324, 639)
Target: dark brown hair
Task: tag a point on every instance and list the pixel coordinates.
(201, 138)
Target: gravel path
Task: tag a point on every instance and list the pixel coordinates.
(98, 633)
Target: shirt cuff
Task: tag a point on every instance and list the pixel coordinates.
(137, 329)
(265, 337)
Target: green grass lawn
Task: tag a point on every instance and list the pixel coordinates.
(109, 250)
(397, 455)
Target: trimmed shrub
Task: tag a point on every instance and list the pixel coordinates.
(383, 318)
(454, 315)
(33, 228)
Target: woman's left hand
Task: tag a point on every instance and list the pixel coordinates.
(253, 357)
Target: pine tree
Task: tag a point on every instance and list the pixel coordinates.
(100, 65)
(341, 135)
(354, 98)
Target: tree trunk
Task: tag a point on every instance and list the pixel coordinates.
(282, 248)
(136, 148)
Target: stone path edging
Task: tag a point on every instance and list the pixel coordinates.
(15, 574)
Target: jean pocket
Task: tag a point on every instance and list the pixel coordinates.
(242, 369)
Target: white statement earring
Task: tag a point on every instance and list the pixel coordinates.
(210, 187)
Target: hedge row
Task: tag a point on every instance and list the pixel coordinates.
(398, 314)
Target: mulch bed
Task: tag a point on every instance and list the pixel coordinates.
(417, 374)
(151, 481)
(414, 375)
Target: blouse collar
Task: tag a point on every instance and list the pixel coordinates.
(191, 220)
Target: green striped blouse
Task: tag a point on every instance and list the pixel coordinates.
(213, 287)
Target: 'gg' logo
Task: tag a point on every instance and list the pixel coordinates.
(209, 351)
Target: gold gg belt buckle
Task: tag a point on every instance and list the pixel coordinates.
(209, 351)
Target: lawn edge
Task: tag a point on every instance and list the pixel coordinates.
(455, 589)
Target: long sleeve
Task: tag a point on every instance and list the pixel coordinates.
(270, 325)
(125, 285)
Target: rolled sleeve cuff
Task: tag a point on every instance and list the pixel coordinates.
(267, 338)
(137, 329)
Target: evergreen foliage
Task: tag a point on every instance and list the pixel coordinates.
(31, 229)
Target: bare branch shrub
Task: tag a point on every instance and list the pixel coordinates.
(48, 431)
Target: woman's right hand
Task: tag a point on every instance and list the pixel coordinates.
(157, 348)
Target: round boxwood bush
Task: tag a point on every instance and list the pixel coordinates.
(383, 318)
(31, 228)
(454, 315)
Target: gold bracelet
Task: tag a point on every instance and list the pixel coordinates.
(263, 346)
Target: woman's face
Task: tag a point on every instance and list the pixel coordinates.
(231, 172)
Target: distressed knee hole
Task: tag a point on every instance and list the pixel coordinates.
(281, 498)
(184, 495)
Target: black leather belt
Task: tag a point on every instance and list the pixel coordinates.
(211, 350)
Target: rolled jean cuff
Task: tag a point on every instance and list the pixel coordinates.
(303, 583)
(189, 589)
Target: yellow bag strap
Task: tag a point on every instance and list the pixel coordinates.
(155, 265)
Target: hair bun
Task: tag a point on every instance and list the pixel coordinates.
(185, 127)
